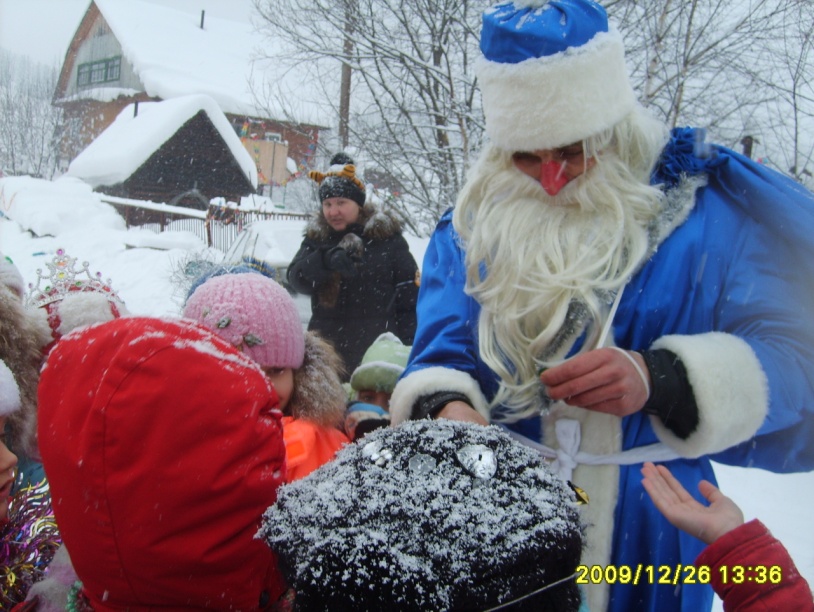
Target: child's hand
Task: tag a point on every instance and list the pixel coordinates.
(707, 523)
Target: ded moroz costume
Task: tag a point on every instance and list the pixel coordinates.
(715, 294)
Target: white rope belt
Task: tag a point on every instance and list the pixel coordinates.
(568, 456)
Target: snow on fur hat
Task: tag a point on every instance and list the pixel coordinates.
(430, 515)
(340, 181)
(10, 275)
(9, 392)
(252, 313)
(552, 73)
(382, 364)
(66, 298)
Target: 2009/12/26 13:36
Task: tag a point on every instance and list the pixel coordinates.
(679, 574)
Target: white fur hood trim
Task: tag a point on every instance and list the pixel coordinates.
(730, 388)
(429, 381)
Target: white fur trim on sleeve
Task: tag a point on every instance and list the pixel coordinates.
(434, 380)
(730, 388)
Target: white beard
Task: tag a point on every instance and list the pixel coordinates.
(552, 264)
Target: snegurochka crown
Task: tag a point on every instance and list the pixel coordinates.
(63, 278)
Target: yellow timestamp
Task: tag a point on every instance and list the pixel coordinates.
(759, 574)
(643, 574)
(677, 574)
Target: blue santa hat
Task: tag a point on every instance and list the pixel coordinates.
(552, 73)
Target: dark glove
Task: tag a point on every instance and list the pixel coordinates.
(339, 260)
(344, 257)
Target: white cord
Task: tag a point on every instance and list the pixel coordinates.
(635, 365)
(606, 329)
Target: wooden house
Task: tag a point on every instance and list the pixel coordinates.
(137, 51)
(181, 151)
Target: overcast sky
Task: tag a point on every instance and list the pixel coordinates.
(42, 29)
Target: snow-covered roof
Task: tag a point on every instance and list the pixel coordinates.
(130, 140)
(173, 56)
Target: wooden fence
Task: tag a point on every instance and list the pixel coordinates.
(217, 226)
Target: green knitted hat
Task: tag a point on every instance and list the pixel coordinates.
(383, 363)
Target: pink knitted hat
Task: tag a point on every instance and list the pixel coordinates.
(253, 313)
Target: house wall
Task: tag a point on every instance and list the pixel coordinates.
(84, 120)
(270, 159)
(101, 44)
(302, 139)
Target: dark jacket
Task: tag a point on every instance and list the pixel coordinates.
(351, 307)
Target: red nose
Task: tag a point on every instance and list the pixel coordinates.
(552, 177)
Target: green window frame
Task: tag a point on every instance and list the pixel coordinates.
(101, 71)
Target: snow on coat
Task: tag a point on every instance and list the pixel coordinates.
(432, 515)
(163, 445)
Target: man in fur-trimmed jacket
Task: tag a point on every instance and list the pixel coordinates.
(646, 293)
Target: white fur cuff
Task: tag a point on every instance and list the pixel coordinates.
(730, 389)
(429, 381)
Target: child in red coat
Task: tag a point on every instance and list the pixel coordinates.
(737, 552)
(163, 446)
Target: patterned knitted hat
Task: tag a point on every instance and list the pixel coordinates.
(552, 73)
(340, 181)
(253, 313)
(381, 365)
(430, 515)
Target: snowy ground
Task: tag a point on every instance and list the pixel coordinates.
(74, 219)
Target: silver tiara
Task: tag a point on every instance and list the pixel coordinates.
(63, 278)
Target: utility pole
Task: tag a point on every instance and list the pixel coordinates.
(344, 91)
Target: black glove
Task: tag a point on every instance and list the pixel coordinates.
(344, 257)
(339, 260)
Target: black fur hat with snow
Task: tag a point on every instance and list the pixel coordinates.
(340, 181)
(552, 73)
(430, 515)
(66, 297)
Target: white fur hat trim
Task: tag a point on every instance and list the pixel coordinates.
(553, 101)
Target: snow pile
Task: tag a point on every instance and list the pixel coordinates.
(49, 208)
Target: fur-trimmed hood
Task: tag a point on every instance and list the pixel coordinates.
(318, 393)
(21, 353)
(376, 225)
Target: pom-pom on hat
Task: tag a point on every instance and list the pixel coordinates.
(430, 515)
(552, 73)
(252, 313)
(382, 364)
(340, 181)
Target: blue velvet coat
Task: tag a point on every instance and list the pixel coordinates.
(731, 291)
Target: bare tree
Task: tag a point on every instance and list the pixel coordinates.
(414, 109)
(28, 121)
(736, 68)
(788, 130)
